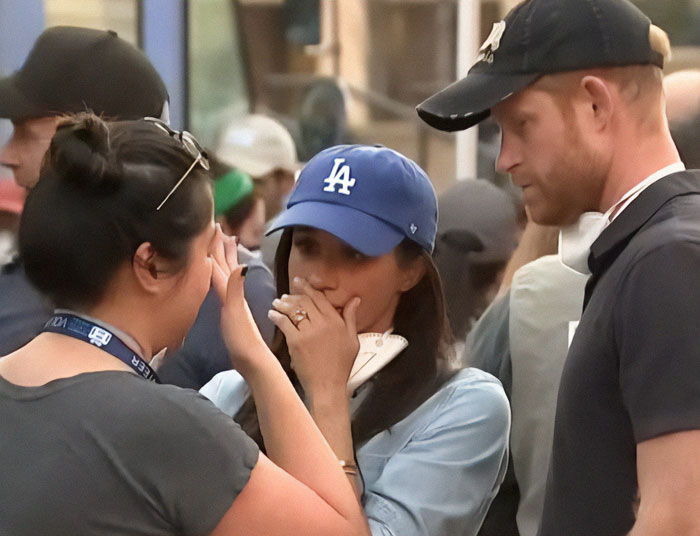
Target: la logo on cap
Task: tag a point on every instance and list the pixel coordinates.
(340, 174)
(492, 43)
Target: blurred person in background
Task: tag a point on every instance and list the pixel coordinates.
(22, 309)
(683, 111)
(69, 69)
(240, 212)
(475, 238)
(11, 202)
(523, 339)
(264, 149)
(91, 443)
(477, 232)
(322, 117)
(18, 300)
(577, 89)
(364, 337)
(238, 208)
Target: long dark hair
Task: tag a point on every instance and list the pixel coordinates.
(411, 378)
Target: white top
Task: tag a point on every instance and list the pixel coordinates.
(634, 192)
(575, 240)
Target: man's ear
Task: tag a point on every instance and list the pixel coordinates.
(412, 274)
(600, 102)
(145, 268)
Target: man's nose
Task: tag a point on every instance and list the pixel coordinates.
(507, 156)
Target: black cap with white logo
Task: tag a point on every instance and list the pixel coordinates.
(72, 69)
(540, 37)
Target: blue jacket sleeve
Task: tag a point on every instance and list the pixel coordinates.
(442, 479)
(227, 391)
(204, 353)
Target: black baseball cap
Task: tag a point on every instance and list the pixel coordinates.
(72, 69)
(540, 37)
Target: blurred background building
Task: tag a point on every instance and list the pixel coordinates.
(331, 71)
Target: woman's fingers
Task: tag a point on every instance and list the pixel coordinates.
(219, 280)
(350, 315)
(227, 274)
(302, 286)
(231, 252)
(292, 306)
(283, 322)
(219, 252)
(234, 289)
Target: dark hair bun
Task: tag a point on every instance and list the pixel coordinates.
(80, 153)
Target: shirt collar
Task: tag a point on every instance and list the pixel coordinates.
(634, 192)
(649, 200)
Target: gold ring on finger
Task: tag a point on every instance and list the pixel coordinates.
(299, 316)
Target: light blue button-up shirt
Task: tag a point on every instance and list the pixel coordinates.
(436, 471)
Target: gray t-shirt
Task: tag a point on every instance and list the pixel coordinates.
(111, 453)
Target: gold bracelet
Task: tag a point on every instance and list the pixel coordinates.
(348, 467)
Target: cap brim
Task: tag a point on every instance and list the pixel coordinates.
(365, 233)
(13, 104)
(254, 167)
(469, 101)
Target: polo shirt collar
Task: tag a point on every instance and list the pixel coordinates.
(621, 230)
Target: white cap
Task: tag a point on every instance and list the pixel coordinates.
(257, 144)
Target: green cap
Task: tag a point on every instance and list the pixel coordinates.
(229, 189)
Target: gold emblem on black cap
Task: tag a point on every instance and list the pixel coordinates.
(493, 41)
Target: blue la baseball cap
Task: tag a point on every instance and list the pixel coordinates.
(371, 197)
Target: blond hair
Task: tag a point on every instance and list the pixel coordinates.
(659, 41)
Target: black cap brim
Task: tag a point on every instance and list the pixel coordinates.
(13, 104)
(469, 101)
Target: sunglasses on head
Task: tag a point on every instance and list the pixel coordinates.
(190, 144)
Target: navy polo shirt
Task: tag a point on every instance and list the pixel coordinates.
(23, 311)
(633, 369)
(204, 354)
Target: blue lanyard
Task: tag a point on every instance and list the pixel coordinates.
(84, 330)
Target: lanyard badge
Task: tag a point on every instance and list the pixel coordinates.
(84, 330)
